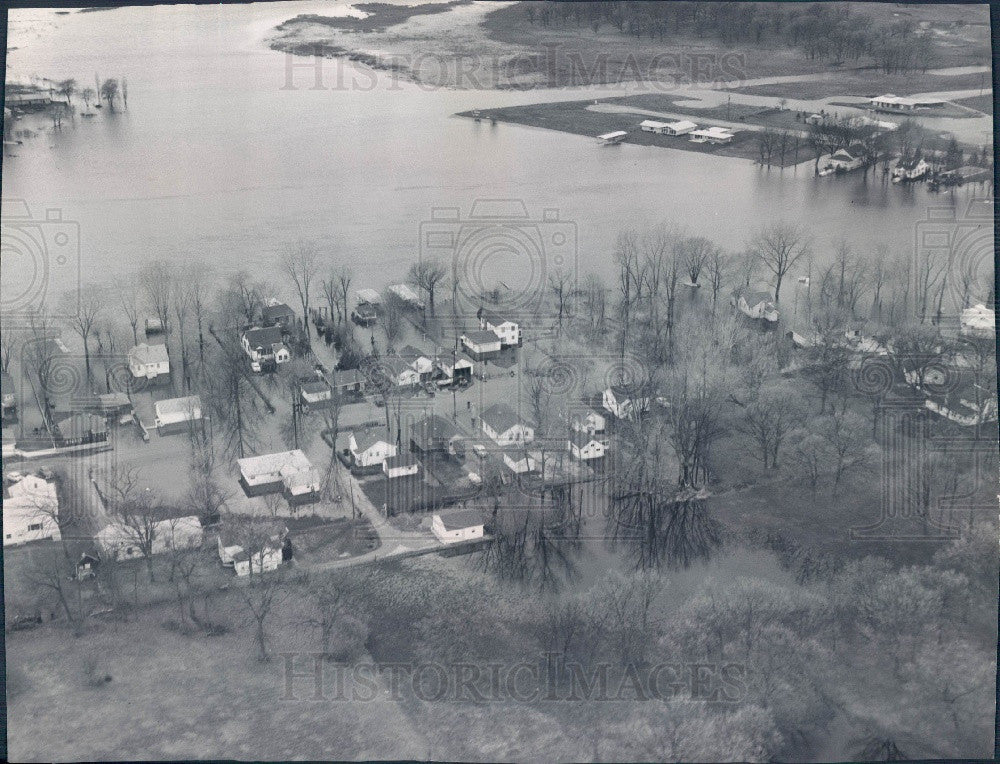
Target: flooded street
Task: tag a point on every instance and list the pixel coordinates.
(218, 159)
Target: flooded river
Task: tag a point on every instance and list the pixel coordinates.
(218, 159)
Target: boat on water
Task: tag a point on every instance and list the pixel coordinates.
(612, 139)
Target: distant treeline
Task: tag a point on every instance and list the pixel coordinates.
(832, 31)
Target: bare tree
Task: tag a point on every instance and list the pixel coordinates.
(129, 298)
(696, 253)
(391, 317)
(779, 247)
(133, 508)
(109, 91)
(428, 275)
(561, 282)
(301, 265)
(717, 266)
(156, 281)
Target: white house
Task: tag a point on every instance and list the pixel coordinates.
(482, 344)
(463, 525)
(519, 460)
(910, 169)
(148, 361)
(623, 403)
(504, 427)
(683, 127)
(711, 135)
(121, 542)
(508, 331)
(371, 447)
(405, 293)
(287, 472)
(755, 304)
(890, 102)
(316, 393)
(591, 422)
(845, 160)
(398, 372)
(612, 138)
(265, 344)
(978, 321)
(176, 414)
(454, 368)
(264, 560)
(420, 362)
(30, 509)
(400, 466)
(652, 126)
(368, 297)
(584, 446)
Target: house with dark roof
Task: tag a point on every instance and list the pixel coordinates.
(504, 427)
(432, 433)
(585, 446)
(277, 314)
(349, 382)
(265, 345)
(482, 345)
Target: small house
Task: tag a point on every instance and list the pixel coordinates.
(398, 372)
(266, 556)
(454, 368)
(432, 433)
(507, 330)
(175, 415)
(148, 361)
(711, 135)
(910, 169)
(403, 465)
(755, 304)
(364, 315)
(406, 294)
(978, 321)
(264, 560)
(287, 472)
(8, 392)
(624, 403)
(349, 382)
(893, 103)
(683, 127)
(520, 461)
(119, 541)
(277, 314)
(153, 327)
(418, 361)
(463, 525)
(76, 428)
(30, 509)
(370, 447)
(482, 345)
(504, 427)
(584, 446)
(845, 160)
(652, 126)
(591, 422)
(265, 345)
(315, 393)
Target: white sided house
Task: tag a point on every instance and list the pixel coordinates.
(755, 304)
(893, 103)
(454, 368)
(287, 472)
(398, 372)
(403, 465)
(652, 126)
(508, 331)
(420, 362)
(504, 427)
(845, 160)
(623, 403)
(118, 541)
(482, 344)
(268, 557)
(711, 135)
(520, 461)
(463, 525)
(264, 345)
(30, 509)
(591, 423)
(148, 361)
(910, 169)
(177, 414)
(683, 127)
(584, 446)
(371, 447)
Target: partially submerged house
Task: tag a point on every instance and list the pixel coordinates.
(847, 159)
(289, 473)
(755, 304)
(911, 168)
(454, 368)
(623, 402)
(505, 427)
(148, 361)
(30, 509)
(277, 314)
(682, 127)
(175, 415)
(711, 135)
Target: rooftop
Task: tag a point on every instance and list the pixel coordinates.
(263, 337)
(143, 353)
(368, 437)
(481, 337)
(465, 518)
(500, 417)
(403, 460)
(285, 462)
(190, 404)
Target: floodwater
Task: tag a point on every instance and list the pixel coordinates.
(218, 160)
